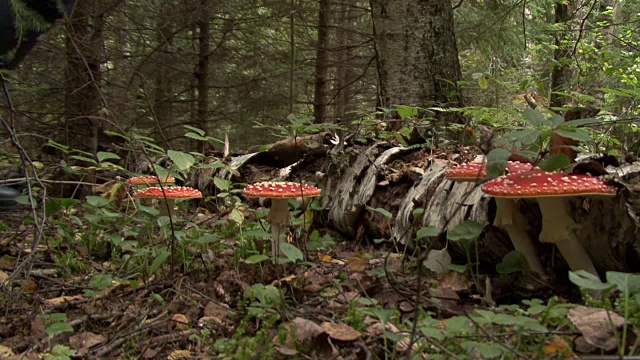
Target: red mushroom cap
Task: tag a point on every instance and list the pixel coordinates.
(280, 190)
(472, 171)
(540, 183)
(150, 180)
(172, 192)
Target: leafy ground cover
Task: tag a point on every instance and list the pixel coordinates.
(105, 284)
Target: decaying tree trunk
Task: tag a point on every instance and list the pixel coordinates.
(401, 180)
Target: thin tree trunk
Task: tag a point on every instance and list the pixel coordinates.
(344, 70)
(83, 76)
(560, 71)
(322, 62)
(202, 70)
(162, 98)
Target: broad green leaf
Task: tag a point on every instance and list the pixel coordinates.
(511, 263)
(438, 261)
(255, 259)
(406, 111)
(457, 325)
(158, 261)
(291, 251)
(533, 117)
(498, 155)
(496, 168)
(426, 232)
(382, 211)
(525, 137)
(588, 281)
(627, 283)
(467, 230)
(483, 83)
(68, 202)
(58, 328)
(182, 160)
(222, 184)
(487, 350)
(103, 155)
(575, 134)
(555, 121)
(97, 201)
(207, 239)
(476, 76)
(418, 212)
(555, 162)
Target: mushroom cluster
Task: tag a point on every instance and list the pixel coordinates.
(280, 193)
(507, 215)
(551, 190)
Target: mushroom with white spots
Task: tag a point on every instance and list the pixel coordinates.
(551, 190)
(507, 216)
(170, 193)
(280, 193)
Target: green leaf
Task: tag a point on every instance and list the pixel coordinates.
(524, 137)
(586, 280)
(438, 261)
(575, 134)
(101, 281)
(533, 117)
(207, 239)
(291, 251)
(555, 121)
(483, 83)
(58, 328)
(195, 129)
(222, 184)
(103, 155)
(97, 201)
(498, 155)
(418, 212)
(255, 259)
(406, 111)
(511, 263)
(627, 283)
(486, 350)
(183, 160)
(459, 268)
(555, 162)
(427, 232)
(83, 158)
(195, 136)
(382, 211)
(467, 230)
(458, 325)
(581, 122)
(158, 261)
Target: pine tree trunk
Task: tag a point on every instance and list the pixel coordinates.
(202, 71)
(83, 76)
(162, 101)
(560, 71)
(322, 62)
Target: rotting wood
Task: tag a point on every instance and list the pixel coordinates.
(352, 179)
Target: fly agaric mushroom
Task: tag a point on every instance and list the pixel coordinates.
(170, 193)
(507, 215)
(151, 180)
(551, 190)
(279, 193)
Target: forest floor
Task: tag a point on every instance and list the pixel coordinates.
(354, 302)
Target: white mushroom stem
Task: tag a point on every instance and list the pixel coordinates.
(280, 219)
(514, 223)
(166, 208)
(558, 227)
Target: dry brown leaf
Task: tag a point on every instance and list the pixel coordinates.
(3, 277)
(325, 258)
(180, 355)
(84, 341)
(375, 329)
(286, 351)
(150, 353)
(29, 286)
(342, 332)
(557, 345)
(595, 325)
(7, 262)
(357, 263)
(5, 352)
(62, 299)
(455, 281)
(307, 333)
(216, 310)
(181, 320)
